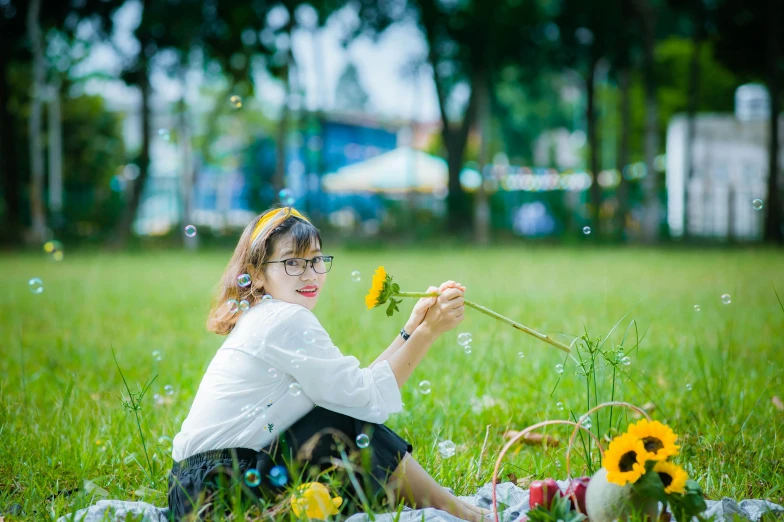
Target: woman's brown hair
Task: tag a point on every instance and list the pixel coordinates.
(248, 258)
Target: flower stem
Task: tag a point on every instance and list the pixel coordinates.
(514, 324)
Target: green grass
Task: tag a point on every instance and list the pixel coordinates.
(62, 419)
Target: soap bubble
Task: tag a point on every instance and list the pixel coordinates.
(236, 102)
(273, 373)
(363, 441)
(295, 363)
(243, 280)
(190, 231)
(376, 411)
(587, 423)
(278, 476)
(54, 249)
(266, 297)
(467, 349)
(464, 338)
(559, 405)
(559, 368)
(36, 285)
(696, 308)
(252, 477)
(244, 305)
(356, 276)
(424, 387)
(586, 230)
(309, 336)
(757, 204)
(233, 305)
(286, 196)
(626, 361)
(446, 448)
(158, 399)
(688, 387)
(726, 299)
(520, 355)
(156, 355)
(168, 389)
(165, 441)
(295, 389)
(164, 133)
(558, 465)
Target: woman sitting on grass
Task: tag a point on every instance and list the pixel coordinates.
(279, 397)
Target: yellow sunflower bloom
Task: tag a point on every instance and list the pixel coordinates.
(376, 288)
(658, 439)
(672, 476)
(625, 459)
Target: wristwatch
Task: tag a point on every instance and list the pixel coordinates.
(404, 334)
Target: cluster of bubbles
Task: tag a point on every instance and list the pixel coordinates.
(286, 196)
(190, 230)
(446, 448)
(464, 339)
(35, 285)
(424, 387)
(278, 476)
(586, 230)
(235, 306)
(356, 276)
(363, 441)
(249, 411)
(54, 249)
(757, 204)
(235, 102)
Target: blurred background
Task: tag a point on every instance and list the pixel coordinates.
(171, 122)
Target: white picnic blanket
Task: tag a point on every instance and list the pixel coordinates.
(512, 500)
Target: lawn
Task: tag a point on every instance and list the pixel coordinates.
(711, 373)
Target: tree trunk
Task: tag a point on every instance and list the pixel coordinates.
(187, 173)
(773, 232)
(650, 225)
(481, 205)
(55, 128)
(125, 225)
(691, 109)
(37, 209)
(623, 151)
(593, 146)
(279, 180)
(9, 166)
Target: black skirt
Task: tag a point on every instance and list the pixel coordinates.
(214, 482)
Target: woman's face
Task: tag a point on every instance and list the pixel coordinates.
(281, 285)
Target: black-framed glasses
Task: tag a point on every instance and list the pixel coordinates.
(296, 265)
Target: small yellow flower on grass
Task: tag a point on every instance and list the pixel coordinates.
(625, 459)
(658, 439)
(672, 476)
(314, 501)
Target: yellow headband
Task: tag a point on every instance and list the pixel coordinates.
(284, 212)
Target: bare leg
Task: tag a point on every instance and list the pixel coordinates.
(419, 490)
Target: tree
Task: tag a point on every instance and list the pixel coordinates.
(349, 93)
(751, 43)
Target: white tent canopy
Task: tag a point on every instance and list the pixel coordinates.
(400, 170)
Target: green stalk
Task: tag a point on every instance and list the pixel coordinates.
(514, 324)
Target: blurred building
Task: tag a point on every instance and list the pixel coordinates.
(713, 197)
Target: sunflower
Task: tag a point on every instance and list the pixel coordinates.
(625, 459)
(672, 476)
(376, 292)
(658, 439)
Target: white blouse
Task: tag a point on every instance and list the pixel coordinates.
(275, 366)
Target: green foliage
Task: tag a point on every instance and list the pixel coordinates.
(560, 510)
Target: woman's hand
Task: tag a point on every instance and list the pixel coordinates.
(423, 305)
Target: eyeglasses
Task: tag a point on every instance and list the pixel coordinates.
(296, 266)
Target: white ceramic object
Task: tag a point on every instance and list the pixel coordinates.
(607, 502)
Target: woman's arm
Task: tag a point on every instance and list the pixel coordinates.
(404, 361)
(395, 346)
